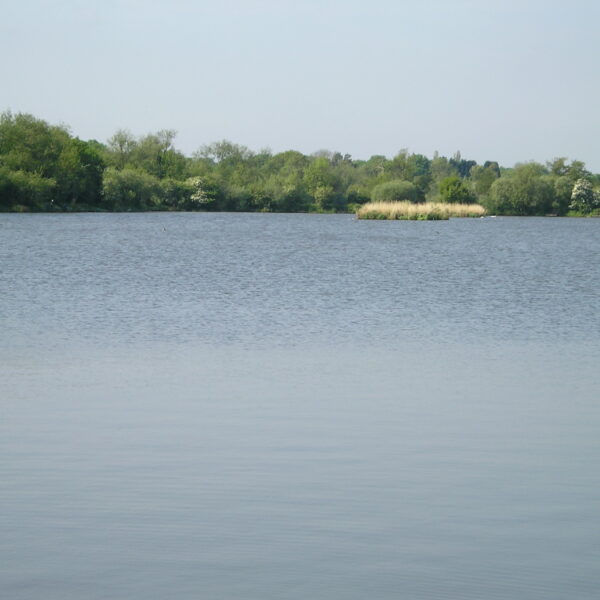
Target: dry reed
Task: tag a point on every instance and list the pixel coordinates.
(426, 211)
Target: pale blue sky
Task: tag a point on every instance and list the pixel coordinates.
(498, 80)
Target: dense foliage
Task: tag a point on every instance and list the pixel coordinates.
(44, 168)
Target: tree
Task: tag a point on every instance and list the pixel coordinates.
(558, 166)
(463, 167)
(439, 169)
(155, 154)
(34, 151)
(320, 183)
(131, 189)
(119, 148)
(79, 175)
(357, 194)
(21, 190)
(414, 168)
(563, 187)
(376, 166)
(30, 144)
(525, 190)
(574, 171)
(284, 191)
(394, 191)
(454, 190)
(482, 178)
(224, 151)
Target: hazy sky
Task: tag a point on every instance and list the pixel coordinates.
(498, 80)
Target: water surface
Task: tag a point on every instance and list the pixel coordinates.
(298, 406)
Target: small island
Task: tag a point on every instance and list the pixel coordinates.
(411, 211)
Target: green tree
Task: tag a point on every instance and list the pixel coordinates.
(394, 191)
(320, 182)
(131, 189)
(357, 194)
(376, 167)
(30, 144)
(482, 178)
(454, 190)
(414, 168)
(22, 190)
(525, 190)
(41, 151)
(439, 169)
(563, 187)
(79, 175)
(224, 151)
(463, 167)
(155, 154)
(120, 148)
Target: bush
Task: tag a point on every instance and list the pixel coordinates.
(583, 198)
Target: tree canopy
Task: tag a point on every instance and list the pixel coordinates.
(43, 167)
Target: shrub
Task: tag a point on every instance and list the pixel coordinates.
(583, 197)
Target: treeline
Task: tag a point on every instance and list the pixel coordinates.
(44, 168)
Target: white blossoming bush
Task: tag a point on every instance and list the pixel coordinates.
(201, 192)
(583, 197)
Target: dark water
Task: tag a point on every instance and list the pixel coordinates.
(298, 406)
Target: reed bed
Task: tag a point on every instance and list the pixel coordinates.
(428, 211)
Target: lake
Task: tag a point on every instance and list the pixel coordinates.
(269, 407)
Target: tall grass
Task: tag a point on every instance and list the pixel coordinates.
(428, 211)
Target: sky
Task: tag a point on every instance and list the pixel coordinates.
(510, 81)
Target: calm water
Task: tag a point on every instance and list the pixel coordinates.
(225, 406)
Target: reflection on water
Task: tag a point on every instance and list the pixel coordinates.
(295, 406)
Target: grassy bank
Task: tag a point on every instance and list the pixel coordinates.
(428, 211)
(576, 213)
